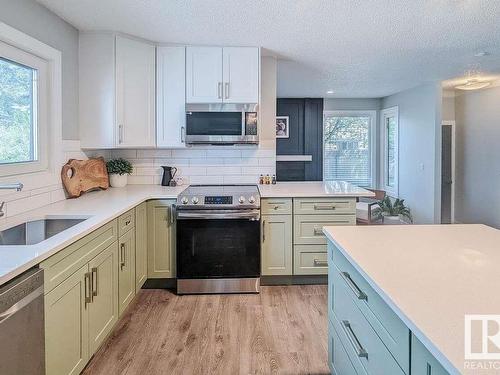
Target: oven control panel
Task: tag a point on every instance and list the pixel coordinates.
(219, 199)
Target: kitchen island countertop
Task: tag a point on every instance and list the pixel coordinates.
(431, 276)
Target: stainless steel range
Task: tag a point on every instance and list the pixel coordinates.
(218, 239)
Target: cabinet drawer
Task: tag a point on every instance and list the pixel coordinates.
(347, 284)
(367, 354)
(338, 359)
(308, 228)
(126, 222)
(276, 206)
(63, 264)
(324, 206)
(310, 260)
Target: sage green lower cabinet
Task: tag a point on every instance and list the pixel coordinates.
(161, 239)
(66, 325)
(126, 270)
(276, 245)
(422, 361)
(141, 245)
(103, 309)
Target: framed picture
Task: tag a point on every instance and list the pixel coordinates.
(282, 129)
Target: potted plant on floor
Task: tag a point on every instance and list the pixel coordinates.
(118, 170)
(394, 212)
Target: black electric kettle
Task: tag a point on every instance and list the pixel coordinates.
(168, 175)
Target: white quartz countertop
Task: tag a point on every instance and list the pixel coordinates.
(100, 206)
(431, 276)
(313, 189)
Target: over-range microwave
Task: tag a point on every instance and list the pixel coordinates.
(221, 124)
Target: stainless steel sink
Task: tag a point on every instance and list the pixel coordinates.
(33, 232)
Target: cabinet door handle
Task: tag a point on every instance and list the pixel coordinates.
(358, 292)
(94, 283)
(358, 348)
(219, 90)
(324, 208)
(264, 231)
(120, 133)
(226, 90)
(172, 215)
(87, 281)
(318, 232)
(183, 134)
(320, 263)
(122, 255)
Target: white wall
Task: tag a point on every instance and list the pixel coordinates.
(478, 156)
(420, 149)
(37, 21)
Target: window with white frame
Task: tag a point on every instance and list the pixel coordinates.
(349, 147)
(389, 120)
(23, 111)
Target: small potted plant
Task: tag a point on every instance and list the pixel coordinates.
(118, 170)
(393, 212)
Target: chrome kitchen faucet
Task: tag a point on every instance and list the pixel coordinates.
(14, 186)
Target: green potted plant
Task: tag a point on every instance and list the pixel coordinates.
(118, 170)
(393, 212)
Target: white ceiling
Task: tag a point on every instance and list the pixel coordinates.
(358, 48)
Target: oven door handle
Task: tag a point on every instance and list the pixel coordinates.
(253, 215)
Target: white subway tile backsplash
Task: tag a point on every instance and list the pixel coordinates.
(172, 162)
(237, 179)
(140, 180)
(206, 180)
(215, 171)
(223, 154)
(188, 153)
(206, 161)
(27, 204)
(190, 171)
(154, 154)
(196, 165)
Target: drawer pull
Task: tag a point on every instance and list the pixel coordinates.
(122, 255)
(324, 208)
(358, 292)
(358, 348)
(263, 231)
(87, 286)
(318, 232)
(94, 283)
(320, 263)
(127, 222)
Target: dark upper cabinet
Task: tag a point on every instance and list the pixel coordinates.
(306, 138)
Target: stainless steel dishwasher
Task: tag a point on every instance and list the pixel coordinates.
(22, 338)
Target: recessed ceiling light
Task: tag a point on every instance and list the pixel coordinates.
(473, 84)
(329, 92)
(482, 53)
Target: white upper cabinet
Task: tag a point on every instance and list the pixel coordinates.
(135, 93)
(170, 96)
(222, 75)
(117, 91)
(204, 75)
(241, 74)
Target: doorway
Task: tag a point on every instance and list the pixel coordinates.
(448, 172)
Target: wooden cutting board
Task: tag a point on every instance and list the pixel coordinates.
(81, 176)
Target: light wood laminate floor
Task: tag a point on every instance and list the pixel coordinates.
(282, 330)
